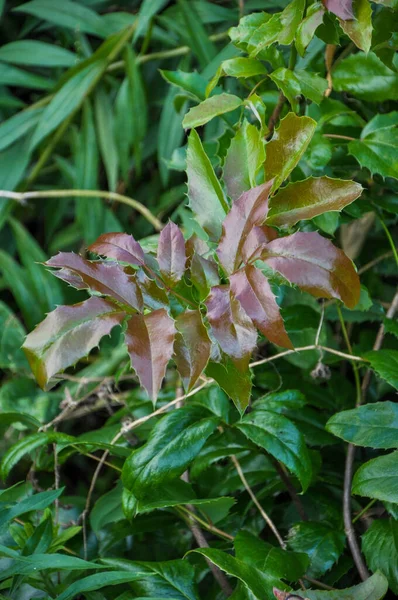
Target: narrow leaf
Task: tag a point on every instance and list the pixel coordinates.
(210, 108)
(192, 347)
(150, 340)
(68, 334)
(171, 254)
(98, 582)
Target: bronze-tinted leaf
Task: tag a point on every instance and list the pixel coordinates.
(256, 238)
(67, 334)
(314, 264)
(230, 325)
(150, 340)
(247, 212)
(309, 198)
(154, 297)
(234, 377)
(287, 146)
(341, 8)
(192, 347)
(171, 254)
(251, 288)
(107, 278)
(204, 274)
(119, 246)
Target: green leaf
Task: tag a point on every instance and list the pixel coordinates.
(287, 146)
(148, 9)
(199, 41)
(378, 478)
(373, 588)
(10, 75)
(234, 378)
(385, 363)
(289, 85)
(309, 198)
(205, 194)
(210, 108)
(278, 436)
(244, 159)
(98, 582)
(291, 17)
(323, 544)
(12, 334)
(359, 29)
(149, 339)
(312, 85)
(171, 133)
(374, 425)
(106, 135)
(174, 442)
(25, 565)
(239, 67)
(378, 151)
(366, 77)
(33, 52)
(18, 126)
(68, 334)
(258, 582)
(192, 347)
(379, 545)
(204, 274)
(308, 26)
(38, 501)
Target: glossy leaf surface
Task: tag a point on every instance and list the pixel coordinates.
(210, 108)
(171, 254)
(192, 347)
(378, 478)
(119, 246)
(322, 543)
(374, 425)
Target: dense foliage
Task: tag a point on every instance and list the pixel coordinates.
(204, 404)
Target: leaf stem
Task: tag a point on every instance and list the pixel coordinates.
(389, 237)
(364, 510)
(339, 137)
(143, 210)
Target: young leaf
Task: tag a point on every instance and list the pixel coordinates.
(120, 246)
(256, 238)
(234, 377)
(231, 327)
(308, 26)
(107, 278)
(374, 425)
(68, 334)
(341, 8)
(253, 291)
(204, 274)
(150, 340)
(248, 211)
(287, 146)
(171, 254)
(314, 264)
(192, 347)
(359, 28)
(379, 545)
(278, 436)
(385, 363)
(243, 161)
(173, 443)
(206, 197)
(323, 544)
(378, 478)
(309, 198)
(210, 108)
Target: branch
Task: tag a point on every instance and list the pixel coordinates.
(145, 212)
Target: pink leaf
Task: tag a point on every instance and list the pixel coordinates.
(253, 291)
(150, 340)
(256, 238)
(341, 8)
(119, 246)
(171, 254)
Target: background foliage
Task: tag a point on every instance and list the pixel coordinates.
(103, 496)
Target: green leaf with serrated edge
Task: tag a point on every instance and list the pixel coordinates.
(247, 212)
(385, 363)
(191, 348)
(98, 582)
(174, 579)
(308, 26)
(359, 29)
(173, 443)
(314, 264)
(234, 377)
(68, 334)
(378, 478)
(205, 194)
(265, 35)
(33, 52)
(278, 436)
(259, 583)
(287, 146)
(378, 152)
(277, 401)
(239, 67)
(244, 158)
(373, 425)
(251, 288)
(312, 85)
(119, 246)
(366, 77)
(193, 84)
(291, 17)
(204, 274)
(171, 255)
(373, 588)
(38, 501)
(309, 198)
(380, 121)
(379, 545)
(149, 340)
(8, 418)
(267, 558)
(26, 445)
(210, 108)
(288, 83)
(323, 544)
(106, 278)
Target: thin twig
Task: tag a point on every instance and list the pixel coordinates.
(374, 262)
(318, 333)
(339, 137)
(143, 210)
(329, 55)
